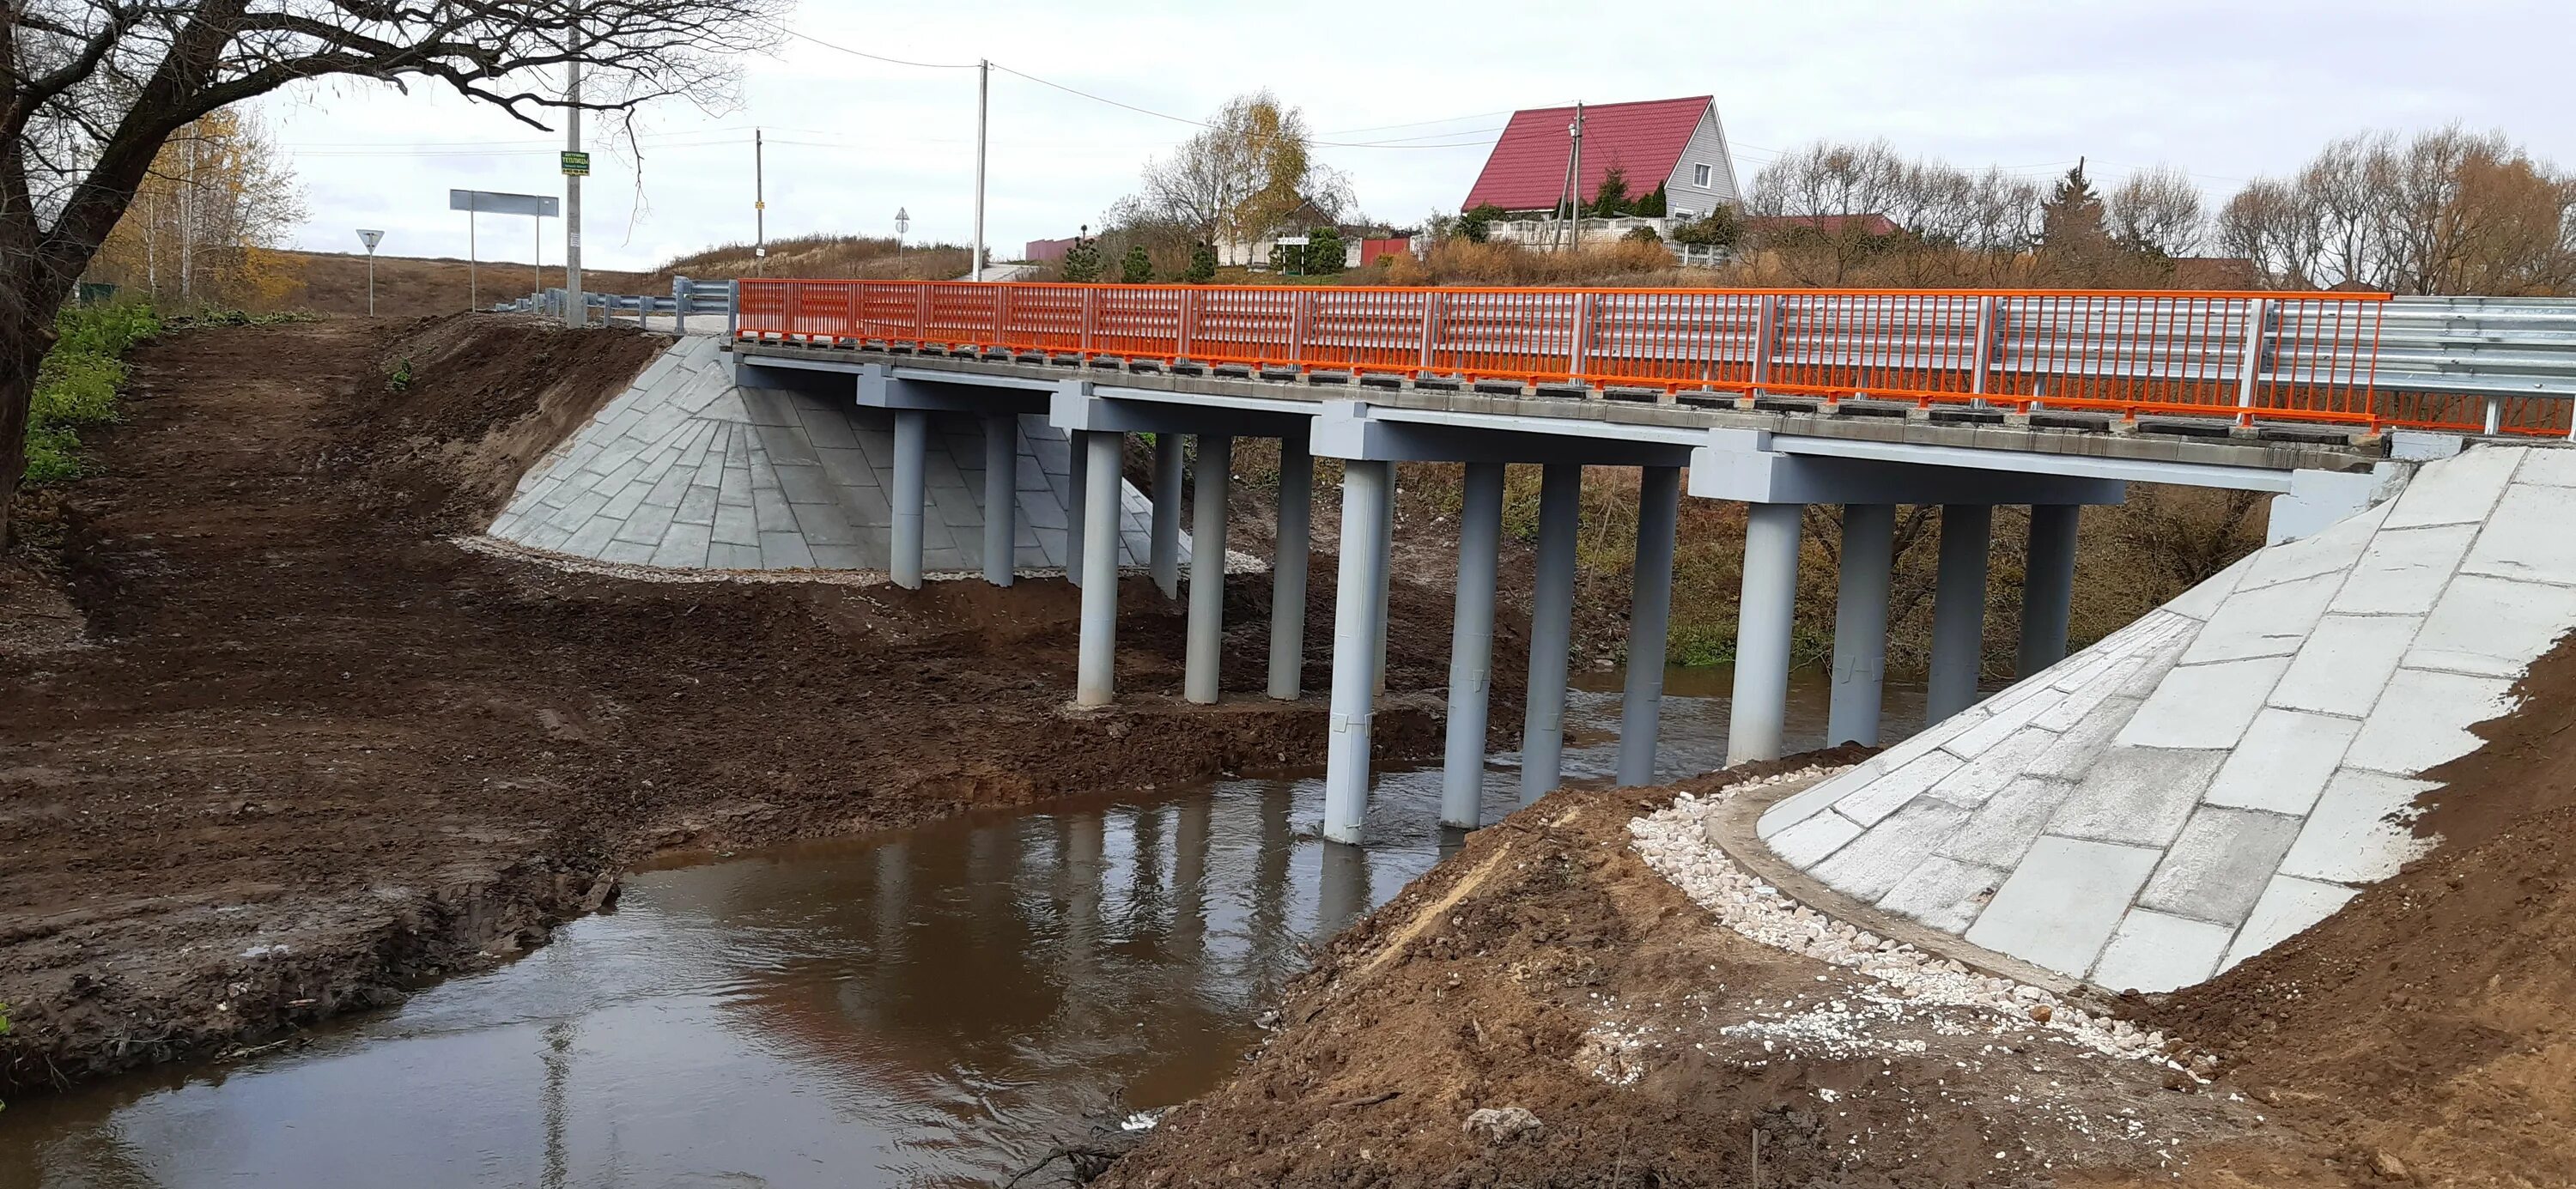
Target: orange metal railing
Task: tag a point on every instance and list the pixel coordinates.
(2273, 356)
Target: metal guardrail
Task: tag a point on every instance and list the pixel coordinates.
(688, 296)
(2312, 355)
(2497, 365)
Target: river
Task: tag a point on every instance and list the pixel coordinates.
(931, 1007)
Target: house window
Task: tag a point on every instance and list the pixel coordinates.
(1681, 212)
(1699, 176)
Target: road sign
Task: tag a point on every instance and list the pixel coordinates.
(492, 202)
(576, 164)
(370, 238)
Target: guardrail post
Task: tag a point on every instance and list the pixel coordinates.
(1431, 311)
(1766, 333)
(681, 295)
(1183, 341)
(1090, 314)
(1578, 351)
(1300, 310)
(2495, 416)
(733, 309)
(2249, 364)
(1983, 355)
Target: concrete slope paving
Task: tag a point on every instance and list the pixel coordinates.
(684, 470)
(2230, 769)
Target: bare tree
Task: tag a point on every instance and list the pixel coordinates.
(90, 90)
(2444, 211)
(2268, 223)
(1808, 193)
(2156, 210)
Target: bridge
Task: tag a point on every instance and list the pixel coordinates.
(2175, 797)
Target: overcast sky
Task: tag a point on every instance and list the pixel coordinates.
(2226, 89)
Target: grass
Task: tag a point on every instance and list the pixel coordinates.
(78, 383)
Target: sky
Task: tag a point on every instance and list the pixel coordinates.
(2226, 89)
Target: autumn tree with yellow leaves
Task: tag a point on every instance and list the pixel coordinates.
(219, 195)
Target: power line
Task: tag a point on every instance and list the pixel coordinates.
(881, 57)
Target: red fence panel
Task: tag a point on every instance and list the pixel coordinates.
(2283, 356)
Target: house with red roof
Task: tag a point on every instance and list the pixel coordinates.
(1678, 143)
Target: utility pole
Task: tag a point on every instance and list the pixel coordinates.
(759, 210)
(1572, 191)
(983, 95)
(576, 313)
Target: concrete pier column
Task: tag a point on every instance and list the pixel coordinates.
(1560, 497)
(1860, 623)
(1385, 563)
(1207, 570)
(1959, 610)
(1001, 497)
(911, 450)
(1077, 482)
(1357, 624)
(1650, 615)
(1471, 646)
(1096, 666)
(2048, 586)
(1766, 611)
(1163, 556)
(1288, 568)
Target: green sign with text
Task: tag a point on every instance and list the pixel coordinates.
(576, 165)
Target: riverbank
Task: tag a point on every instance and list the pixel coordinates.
(304, 751)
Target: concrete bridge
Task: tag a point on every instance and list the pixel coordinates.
(2173, 799)
(1776, 400)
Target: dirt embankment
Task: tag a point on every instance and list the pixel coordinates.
(312, 751)
(1618, 1037)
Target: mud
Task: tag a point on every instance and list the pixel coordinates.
(309, 752)
(1543, 1009)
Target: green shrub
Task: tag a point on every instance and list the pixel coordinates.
(1137, 268)
(78, 381)
(1323, 252)
(1202, 263)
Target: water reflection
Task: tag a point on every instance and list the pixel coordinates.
(928, 1008)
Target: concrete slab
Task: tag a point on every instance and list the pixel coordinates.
(2003, 829)
(2284, 762)
(2204, 706)
(2458, 490)
(2424, 721)
(1944, 893)
(2548, 466)
(2081, 745)
(2137, 796)
(2217, 868)
(2404, 570)
(1869, 867)
(2154, 952)
(1873, 802)
(2061, 905)
(1981, 778)
(2528, 538)
(2289, 905)
(1808, 842)
(2493, 626)
(1806, 803)
(2272, 621)
(2330, 552)
(2201, 601)
(2345, 664)
(2361, 831)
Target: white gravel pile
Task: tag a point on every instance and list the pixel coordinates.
(1675, 842)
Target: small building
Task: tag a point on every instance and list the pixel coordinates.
(1677, 143)
(1047, 251)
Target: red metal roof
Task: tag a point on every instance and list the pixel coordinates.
(1527, 169)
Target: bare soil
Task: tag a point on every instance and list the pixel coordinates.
(303, 751)
(1546, 969)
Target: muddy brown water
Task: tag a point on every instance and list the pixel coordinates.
(932, 1007)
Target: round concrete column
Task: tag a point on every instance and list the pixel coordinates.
(1206, 643)
(1650, 613)
(1759, 715)
(2048, 586)
(1860, 623)
(1959, 610)
(1471, 646)
(1560, 498)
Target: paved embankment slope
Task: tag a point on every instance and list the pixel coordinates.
(684, 470)
(2229, 769)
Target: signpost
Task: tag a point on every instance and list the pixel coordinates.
(475, 202)
(371, 239)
